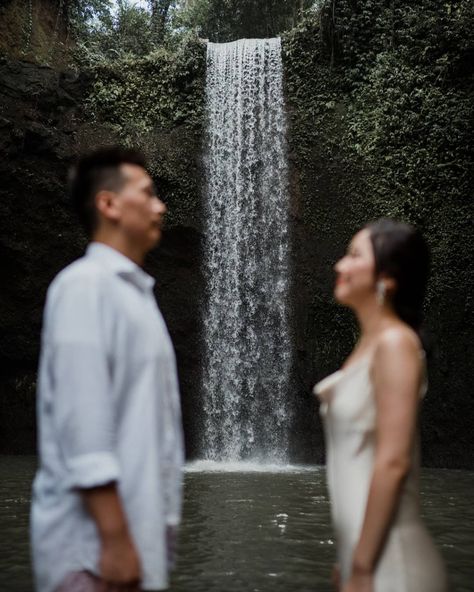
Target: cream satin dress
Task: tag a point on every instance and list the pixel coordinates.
(409, 561)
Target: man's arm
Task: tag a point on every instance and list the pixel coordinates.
(173, 460)
(119, 562)
(84, 418)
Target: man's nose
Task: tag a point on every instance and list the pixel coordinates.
(159, 206)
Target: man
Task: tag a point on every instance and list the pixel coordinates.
(107, 495)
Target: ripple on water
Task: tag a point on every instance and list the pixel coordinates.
(211, 466)
(246, 530)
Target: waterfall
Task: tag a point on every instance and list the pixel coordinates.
(246, 329)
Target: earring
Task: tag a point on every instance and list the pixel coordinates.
(381, 293)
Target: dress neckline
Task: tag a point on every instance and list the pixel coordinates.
(326, 383)
(359, 360)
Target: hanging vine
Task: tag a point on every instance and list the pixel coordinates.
(56, 28)
(28, 27)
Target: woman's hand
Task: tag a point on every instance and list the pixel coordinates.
(359, 583)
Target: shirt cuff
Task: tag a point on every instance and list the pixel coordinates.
(173, 520)
(91, 470)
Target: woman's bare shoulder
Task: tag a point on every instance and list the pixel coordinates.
(397, 365)
(397, 339)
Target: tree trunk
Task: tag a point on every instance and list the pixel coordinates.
(159, 16)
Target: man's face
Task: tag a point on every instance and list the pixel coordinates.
(139, 210)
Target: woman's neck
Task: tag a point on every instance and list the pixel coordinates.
(373, 318)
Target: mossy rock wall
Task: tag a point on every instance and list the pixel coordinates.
(36, 30)
(47, 118)
(380, 105)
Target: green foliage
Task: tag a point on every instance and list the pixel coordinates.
(132, 30)
(380, 101)
(148, 94)
(390, 85)
(409, 121)
(227, 20)
(108, 36)
(161, 90)
(84, 10)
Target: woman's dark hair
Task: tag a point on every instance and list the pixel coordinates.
(94, 172)
(402, 253)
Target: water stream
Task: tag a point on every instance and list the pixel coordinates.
(246, 331)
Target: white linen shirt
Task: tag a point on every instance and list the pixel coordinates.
(108, 410)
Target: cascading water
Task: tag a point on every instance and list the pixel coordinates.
(247, 346)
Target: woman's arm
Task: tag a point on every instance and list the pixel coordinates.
(396, 374)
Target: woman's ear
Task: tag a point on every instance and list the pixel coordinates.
(390, 285)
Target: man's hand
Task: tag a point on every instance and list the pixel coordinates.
(359, 583)
(119, 563)
(336, 577)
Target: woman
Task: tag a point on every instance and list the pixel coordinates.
(370, 409)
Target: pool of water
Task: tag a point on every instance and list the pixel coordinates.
(248, 528)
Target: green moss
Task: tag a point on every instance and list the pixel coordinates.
(157, 104)
(161, 90)
(380, 102)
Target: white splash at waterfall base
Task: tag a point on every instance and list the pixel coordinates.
(246, 328)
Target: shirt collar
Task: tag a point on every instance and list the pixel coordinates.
(120, 265)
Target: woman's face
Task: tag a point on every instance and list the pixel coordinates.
(355, 272)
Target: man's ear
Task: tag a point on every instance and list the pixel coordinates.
(107, 205)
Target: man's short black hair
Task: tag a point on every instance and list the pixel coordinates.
(94, 172)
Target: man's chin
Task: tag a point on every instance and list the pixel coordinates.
(156, 238)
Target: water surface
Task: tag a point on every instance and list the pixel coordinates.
(251, 530)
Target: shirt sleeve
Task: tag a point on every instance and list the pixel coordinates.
(174, 452)
(83, 410)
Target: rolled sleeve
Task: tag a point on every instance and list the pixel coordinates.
(92, 470)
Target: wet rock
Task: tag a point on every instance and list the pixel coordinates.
(42, 128)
